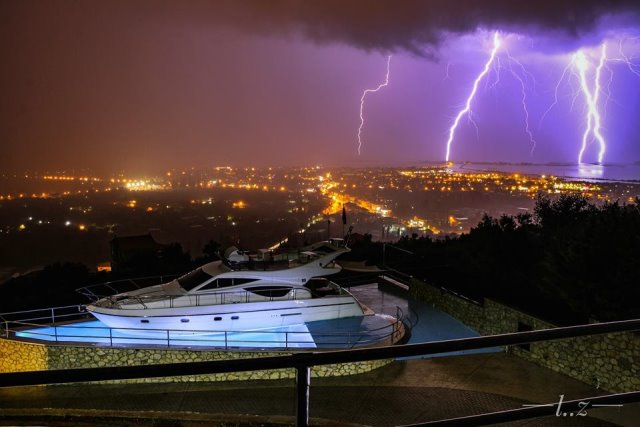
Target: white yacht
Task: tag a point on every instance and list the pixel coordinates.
(216, 297)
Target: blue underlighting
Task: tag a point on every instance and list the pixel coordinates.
(97, 333)
(336, 333)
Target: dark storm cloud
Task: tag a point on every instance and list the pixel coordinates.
(148, 84)
(416, 25)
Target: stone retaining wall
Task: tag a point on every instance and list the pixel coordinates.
(18, 356)
(610, 361)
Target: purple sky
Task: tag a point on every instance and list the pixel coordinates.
(149, 85)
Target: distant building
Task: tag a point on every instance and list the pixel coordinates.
(129, 251)
(104, 266)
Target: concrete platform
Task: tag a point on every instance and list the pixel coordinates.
(403, 392)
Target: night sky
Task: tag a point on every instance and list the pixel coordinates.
(144, 86)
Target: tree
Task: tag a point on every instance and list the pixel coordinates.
(211, 250)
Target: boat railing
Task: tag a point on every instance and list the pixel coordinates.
(106, 289)
(216, 297)
(50, 315)
(74, 328)
(137, 302)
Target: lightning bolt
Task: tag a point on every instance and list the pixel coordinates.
(446, 71)
(497, 67)
(593, 115)
(467, 109)
(364, 95)
(555, 94)
(632, 66)
(578, 68)
(524, 97)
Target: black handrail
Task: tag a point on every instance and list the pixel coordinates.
(303, 361)
(573, 407)
(310, 358)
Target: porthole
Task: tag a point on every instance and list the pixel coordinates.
(235, 317)
(184, 320)
(144, 320)
(217, 319)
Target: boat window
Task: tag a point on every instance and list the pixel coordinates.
(324, 249)
(269, 291)
(243, 281)
(224, 282)
(193, 279)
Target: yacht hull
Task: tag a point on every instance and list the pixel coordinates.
(229, 317)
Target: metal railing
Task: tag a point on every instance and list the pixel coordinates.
(213, 339)
(49, 315)
(97, 293)
(355, 280)
(69, 325)
(101, 290)
(302, 363)
(397, 275)
(216, 298)
(571, 407)
(405, 280)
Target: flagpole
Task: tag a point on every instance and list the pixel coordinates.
(344, 219)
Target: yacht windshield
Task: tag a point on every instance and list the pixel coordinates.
(193, 279)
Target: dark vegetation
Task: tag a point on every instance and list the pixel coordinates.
(56, 284)
(569, 262)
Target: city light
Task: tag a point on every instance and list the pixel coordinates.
(372, 191)
(239, 205)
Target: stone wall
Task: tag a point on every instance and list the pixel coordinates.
(610, 361)
(19, 356)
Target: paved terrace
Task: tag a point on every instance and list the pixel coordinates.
(403, 392)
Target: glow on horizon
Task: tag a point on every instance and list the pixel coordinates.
(364, 94)
(467, 108)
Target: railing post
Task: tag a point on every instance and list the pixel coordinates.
(55, 332)
(110, 337)
(225, 340)
(53, 316)
(168, 341)
(384, 250)
(286, 340)
(303, 379)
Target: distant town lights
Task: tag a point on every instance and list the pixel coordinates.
(239, 204)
